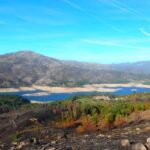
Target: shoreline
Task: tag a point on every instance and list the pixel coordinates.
(39, 102)
(46, 90)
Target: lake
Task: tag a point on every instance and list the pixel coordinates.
(63, 96)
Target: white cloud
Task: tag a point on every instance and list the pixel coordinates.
(73, 4)
(124, 8)
(103, 42)
(128, 43)
(90, 14)
(119, 5)
(145, 32)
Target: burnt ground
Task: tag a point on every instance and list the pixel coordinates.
(20, 130)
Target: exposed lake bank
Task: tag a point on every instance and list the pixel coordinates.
(40, 94)
(86, 88)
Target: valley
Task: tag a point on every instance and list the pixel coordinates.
(74, 75)
(50, 104)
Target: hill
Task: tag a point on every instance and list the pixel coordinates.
(25, 68)
(136, 68)
(81, 122)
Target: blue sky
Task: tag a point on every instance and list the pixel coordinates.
(103, 31)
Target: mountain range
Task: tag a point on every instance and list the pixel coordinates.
(25, 68)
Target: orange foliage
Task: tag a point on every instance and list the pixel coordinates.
(87, 125)
(120, 121)
(105, 125)
(68, 124)
(64, 124)
(80, 130)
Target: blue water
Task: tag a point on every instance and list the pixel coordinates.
(63, 96)
(129, 90)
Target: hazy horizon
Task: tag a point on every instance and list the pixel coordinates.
(100, 31)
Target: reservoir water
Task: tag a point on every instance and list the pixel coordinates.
(63, 96)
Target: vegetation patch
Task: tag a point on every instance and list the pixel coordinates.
(11, 102)
(87, 114)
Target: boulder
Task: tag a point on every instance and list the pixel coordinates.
(125, 142)
(33, 120)
(138, 129)
(138, 146)
(53, 142)
(148, 140)
(101, 135)
(148, 146)
(52, 148)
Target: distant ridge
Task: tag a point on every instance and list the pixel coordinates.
(25, 68)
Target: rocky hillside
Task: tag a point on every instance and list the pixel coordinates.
(136, 68)
(45, 126)
(26, 68)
